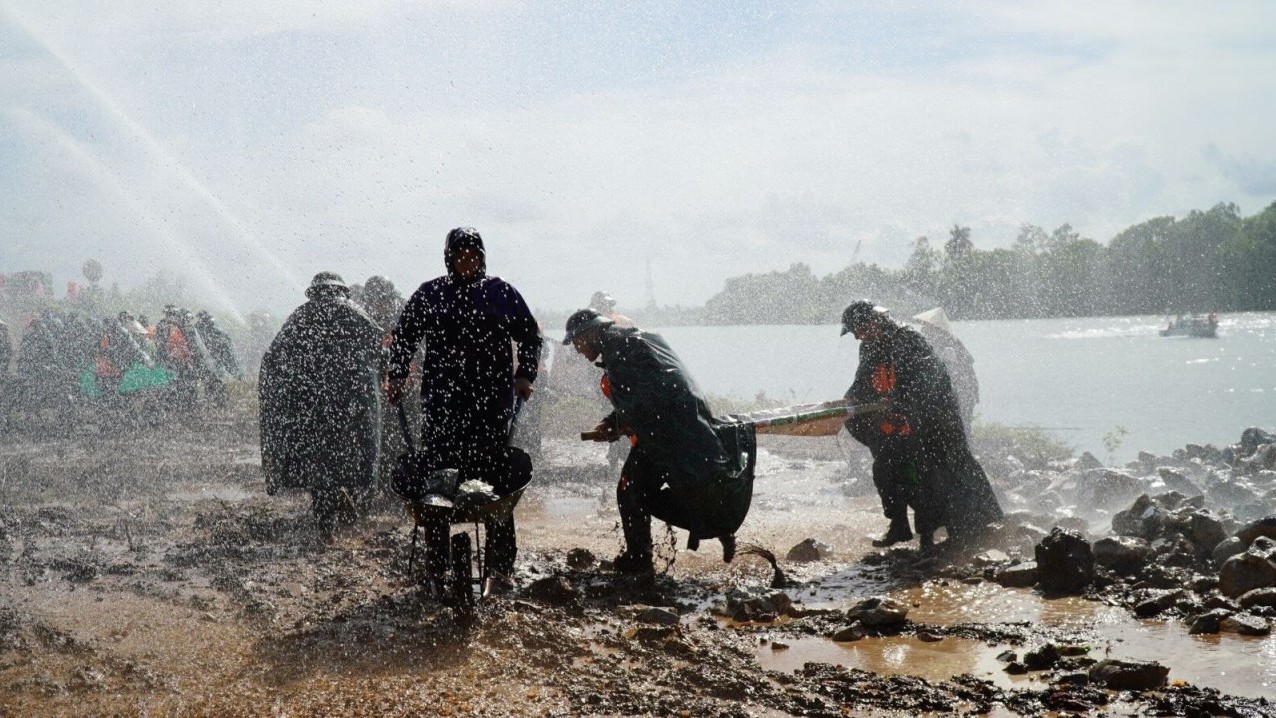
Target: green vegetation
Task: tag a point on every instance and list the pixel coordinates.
(1212, 260)
(1032, 445)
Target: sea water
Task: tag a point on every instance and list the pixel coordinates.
(1112, 386)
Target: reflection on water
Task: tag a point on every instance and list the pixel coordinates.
(934, 661)
(1239, 665)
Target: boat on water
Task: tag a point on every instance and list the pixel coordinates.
(1193, 326)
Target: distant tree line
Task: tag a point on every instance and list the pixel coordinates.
(1212, 260)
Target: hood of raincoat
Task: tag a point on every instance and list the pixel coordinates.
(464, 238)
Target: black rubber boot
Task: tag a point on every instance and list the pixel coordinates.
(899, 532)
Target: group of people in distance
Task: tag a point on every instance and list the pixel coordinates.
(119, 363)
(474, 344)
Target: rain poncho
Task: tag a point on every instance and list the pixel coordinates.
(470, 326)
(706, 464)
(468, 372)
(319, 396)
(921, 458)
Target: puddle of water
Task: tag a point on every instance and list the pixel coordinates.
(891, 655)
(1240, 665)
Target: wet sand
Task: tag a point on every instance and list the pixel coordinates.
(153, 576)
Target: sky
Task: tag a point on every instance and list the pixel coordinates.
(651, 149)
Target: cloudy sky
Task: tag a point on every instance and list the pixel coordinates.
(249, 144)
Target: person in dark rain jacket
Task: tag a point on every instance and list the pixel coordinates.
(319, 391)
(686, 468)
(469, 383)
(920, 455)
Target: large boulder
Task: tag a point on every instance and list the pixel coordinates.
(1143, 519)
(1020, 575)
(1207, 531)
(1246, 624)
(1175, 480)
(1065, 562)
(1265, 526)
(1255, 568)
(1108, 488)
(1254, 437)
(1226, 549)
(1123, 554)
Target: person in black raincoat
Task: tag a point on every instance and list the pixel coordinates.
(319, 392)
(470, 323)
(6, 349)
(686, 468)
(920, 455)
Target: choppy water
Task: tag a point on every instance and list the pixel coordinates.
(1079, 378)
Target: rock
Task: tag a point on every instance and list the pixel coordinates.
(1157, 603)
(1259, 597)
(657, 615)
(1246, 624)
(1265, 526)
(1073, 523)
(1129, 675)
(808, 550)
(1065, 563)
(755, 605)
(1227, 549)
(581, 559)
(1042, 657)
(1135, 521)
(1101, 488)
(1007, 656)
(1207, 531)
(928, 637)
(1256, 568)
(880, 612)
(1231, 493)
(554, 590)
(1254, 437)
(1123, 554)
(1176, 481)
(1209, 621)
(778, 646)
(1077, 678)
(849, 633)
(991, 557)
(1088, 461)
(1020, 575)
(1015, 668)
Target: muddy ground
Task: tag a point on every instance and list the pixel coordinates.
(146, 572)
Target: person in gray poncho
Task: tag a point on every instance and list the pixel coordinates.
(686, 468)
(319, 392)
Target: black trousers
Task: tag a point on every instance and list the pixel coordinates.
(642, 494)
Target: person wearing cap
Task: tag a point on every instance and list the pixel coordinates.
(469, 322)
(686, 468)
(319, 393)
(920, 455)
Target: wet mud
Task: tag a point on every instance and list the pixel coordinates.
(146, 572)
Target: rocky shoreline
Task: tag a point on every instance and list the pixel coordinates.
(153, 576)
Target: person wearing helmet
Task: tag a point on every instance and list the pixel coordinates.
(686, 468)
(319, 392)
(469, 383)
(920, 455)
